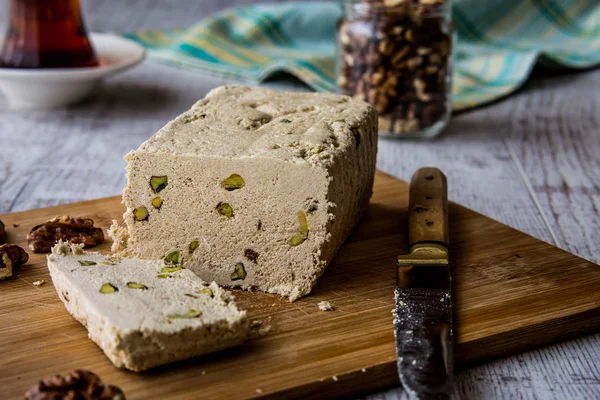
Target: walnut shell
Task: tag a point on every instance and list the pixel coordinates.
(17, 255)
(2, 233)
(79, 384)
(75, 230)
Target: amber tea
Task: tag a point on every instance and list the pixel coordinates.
(46, 34)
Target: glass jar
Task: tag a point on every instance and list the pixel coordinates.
(46, 34)
(396, 54)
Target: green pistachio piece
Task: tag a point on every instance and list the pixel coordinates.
(85, 263)
(168, 270)
(285, 121)
(135, 285)
(163, 276)
(194, 244)
(157, 202)
(239, 272)
(225, 209)
(158, 183)
(207, 291)
(303, 222)
(299, 237)
(140, 213)
(233, 182)
(108, 288)
(189, 314)
(172, 258)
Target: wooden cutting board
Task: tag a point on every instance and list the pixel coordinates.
(512, 291)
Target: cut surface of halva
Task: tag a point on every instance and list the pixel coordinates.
(142, 313)
(253, 187)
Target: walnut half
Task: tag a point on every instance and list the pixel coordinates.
(11, 257)
(75, 230)
(79, 384)
(2, 233)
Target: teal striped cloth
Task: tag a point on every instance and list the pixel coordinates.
(498, 43)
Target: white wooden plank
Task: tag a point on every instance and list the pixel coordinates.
(558, 144)
(480, 171)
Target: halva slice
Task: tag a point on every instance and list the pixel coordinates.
(252, 187)
(142, 313)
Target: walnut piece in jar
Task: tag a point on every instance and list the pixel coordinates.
(11, 257)
(396, 55)
(79, 384)
(75, 230)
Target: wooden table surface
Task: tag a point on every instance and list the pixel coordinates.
(531, 161)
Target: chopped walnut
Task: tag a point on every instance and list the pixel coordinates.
(395, 55)
(79, 384)
(325, 306)
(2, 233)
(251, 255)
(75, 230)
(5, 267)
(11, 257)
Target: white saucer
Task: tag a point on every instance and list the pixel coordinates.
(57, 87)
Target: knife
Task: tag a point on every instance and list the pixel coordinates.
(423, 314)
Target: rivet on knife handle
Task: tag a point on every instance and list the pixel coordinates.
(428, 208)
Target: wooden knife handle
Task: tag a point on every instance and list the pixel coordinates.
(428, 207)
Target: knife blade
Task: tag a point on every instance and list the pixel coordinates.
(423, 314)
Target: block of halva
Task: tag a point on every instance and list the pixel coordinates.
(252, 187)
